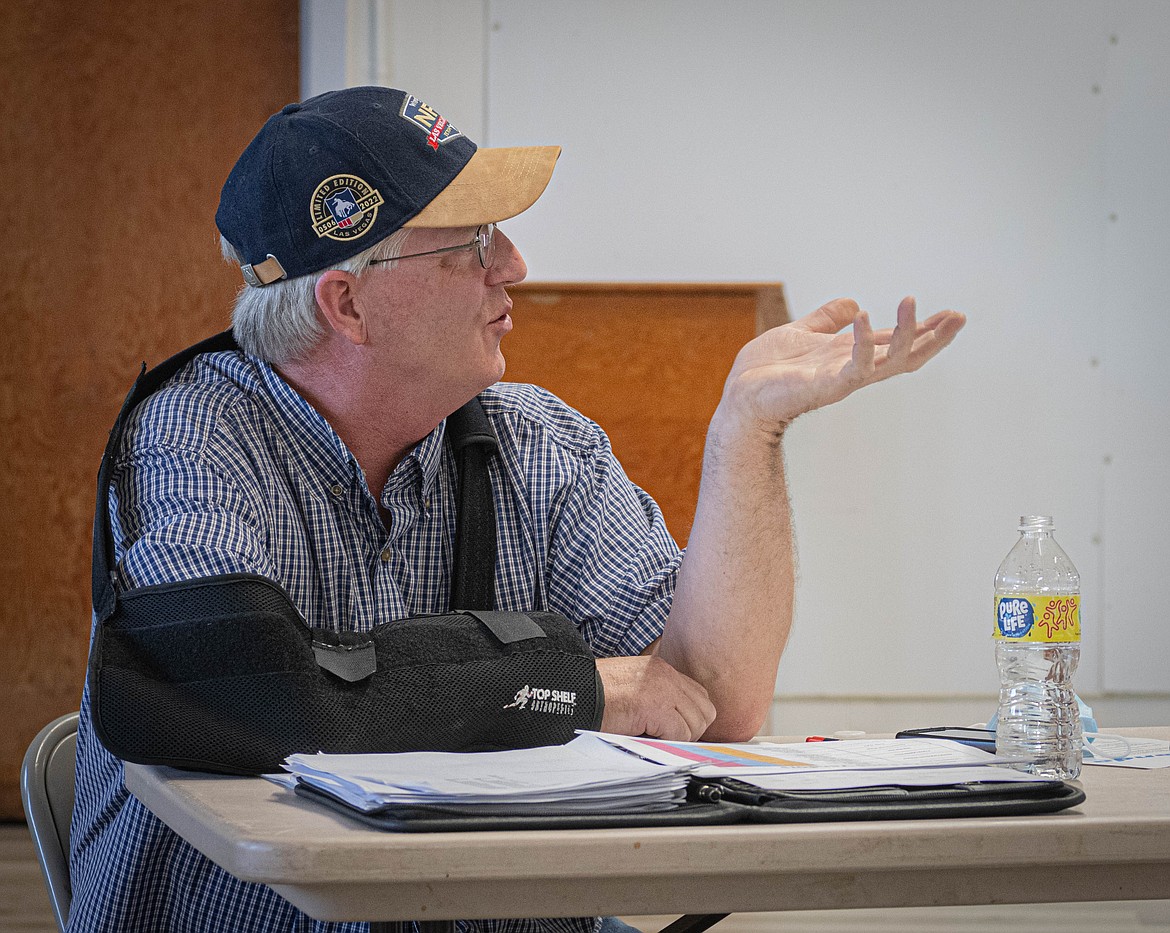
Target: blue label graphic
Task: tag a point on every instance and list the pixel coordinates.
(1015, 616)
(343, 205)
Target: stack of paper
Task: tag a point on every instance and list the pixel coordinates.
(585, 776)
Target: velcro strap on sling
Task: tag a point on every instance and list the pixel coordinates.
(348, 655)
(353, 657)
(508, 627)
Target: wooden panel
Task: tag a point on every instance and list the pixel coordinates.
(122, 120)
(646, 361)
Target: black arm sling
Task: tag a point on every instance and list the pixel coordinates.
(224, 673)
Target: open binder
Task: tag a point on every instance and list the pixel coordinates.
(721, 801)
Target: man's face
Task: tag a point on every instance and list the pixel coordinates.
(436, 321)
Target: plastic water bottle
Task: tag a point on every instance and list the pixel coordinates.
(1037, 646)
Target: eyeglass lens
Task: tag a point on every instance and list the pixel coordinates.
(485, 246)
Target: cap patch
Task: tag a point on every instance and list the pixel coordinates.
(343, 207)
(422, 115)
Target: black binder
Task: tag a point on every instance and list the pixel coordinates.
(720, 801)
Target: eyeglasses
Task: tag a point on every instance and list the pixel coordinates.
(483, 244)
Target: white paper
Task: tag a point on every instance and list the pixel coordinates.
(585, 775)
(898, 777)
(712, 759)
(1125, 751)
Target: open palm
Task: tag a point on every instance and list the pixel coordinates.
(814, 362)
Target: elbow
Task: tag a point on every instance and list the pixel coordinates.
(736, 728)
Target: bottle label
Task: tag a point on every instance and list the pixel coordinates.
(1038, 618)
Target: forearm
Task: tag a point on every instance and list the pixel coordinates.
(732, 608)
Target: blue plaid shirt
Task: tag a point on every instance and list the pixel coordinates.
(227, 469)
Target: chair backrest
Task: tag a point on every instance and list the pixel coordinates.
(47, 787)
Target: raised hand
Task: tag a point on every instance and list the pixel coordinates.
(811, 363)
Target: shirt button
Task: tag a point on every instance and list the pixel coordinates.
(337, 490)
(385, 555)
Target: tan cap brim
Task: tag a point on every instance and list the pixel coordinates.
(495, 185)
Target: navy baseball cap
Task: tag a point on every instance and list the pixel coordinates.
(326, 178)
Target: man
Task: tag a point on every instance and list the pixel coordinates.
(375, 304)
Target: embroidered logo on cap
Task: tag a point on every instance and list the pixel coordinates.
(423, 116)
(343, 207)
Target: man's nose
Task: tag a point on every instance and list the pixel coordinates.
(509, 267)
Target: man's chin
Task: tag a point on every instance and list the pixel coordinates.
(490, 376)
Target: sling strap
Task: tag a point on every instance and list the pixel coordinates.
(473, 441)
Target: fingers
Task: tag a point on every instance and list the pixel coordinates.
(942, 329)
(913, 343)
(833, 316)
(696, 711)
(863, 346)
(830, 317)
(883, 337)
(902, 340)
(646, 696)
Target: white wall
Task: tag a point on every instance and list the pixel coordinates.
(1008, 159)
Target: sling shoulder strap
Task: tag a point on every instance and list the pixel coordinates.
(472, 440)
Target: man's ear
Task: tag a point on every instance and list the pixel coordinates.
(336, 294)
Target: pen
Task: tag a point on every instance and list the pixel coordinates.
(821, 738)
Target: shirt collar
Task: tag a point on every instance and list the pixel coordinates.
(308, 433)
(326, 453)
(428, 454)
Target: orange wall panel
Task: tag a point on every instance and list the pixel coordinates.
(647, 362)
(121, 121)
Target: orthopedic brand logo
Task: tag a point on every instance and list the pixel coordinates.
(343, 207)
(544, 700)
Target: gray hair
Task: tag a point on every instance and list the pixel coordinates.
(278, 322)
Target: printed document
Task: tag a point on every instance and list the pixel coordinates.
(586, 775)
(892, 777)
(739, 759)
(1125, 751)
